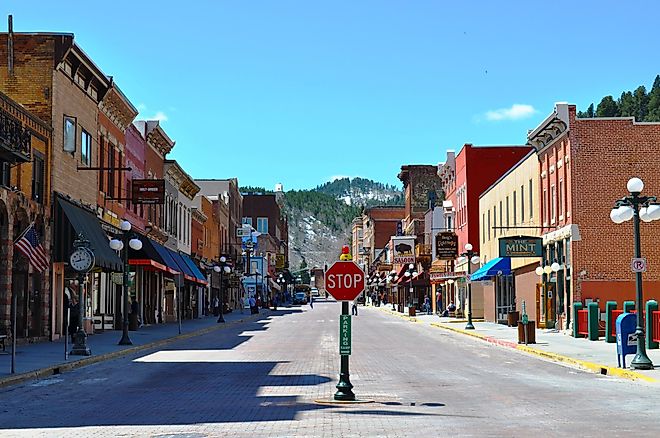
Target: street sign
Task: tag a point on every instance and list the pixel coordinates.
(344, 335)
(638, 264)
(344, 281)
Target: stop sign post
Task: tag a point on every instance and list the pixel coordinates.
(344, 280)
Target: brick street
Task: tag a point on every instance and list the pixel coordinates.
(262, 379)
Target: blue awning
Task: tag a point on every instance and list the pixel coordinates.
(194, 269)
(500, 265)
(166, 255)
(184, 268)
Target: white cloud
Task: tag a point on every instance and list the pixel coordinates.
(141, 107)
(160, 116)
(517, 111)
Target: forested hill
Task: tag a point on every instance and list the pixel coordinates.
(643, 105)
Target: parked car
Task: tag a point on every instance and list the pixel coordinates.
(300, 298)
(315, 292)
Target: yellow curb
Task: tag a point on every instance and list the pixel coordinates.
(588, 366)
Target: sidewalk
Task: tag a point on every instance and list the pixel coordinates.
(595, 356)
(46, 358)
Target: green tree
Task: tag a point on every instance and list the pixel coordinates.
(627, 104)
(607, 107)
(304, 274)
(653, 107)
(641, 103)
(588, 114)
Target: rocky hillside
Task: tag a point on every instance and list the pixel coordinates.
(320, 219)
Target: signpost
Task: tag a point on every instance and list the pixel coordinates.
(344, 280)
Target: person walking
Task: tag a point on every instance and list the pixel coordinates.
(427, 305)
(311, 301)
(354, 309)
(253, 305)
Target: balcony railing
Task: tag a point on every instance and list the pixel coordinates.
(15, 140)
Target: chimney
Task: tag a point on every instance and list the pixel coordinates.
(10, 46)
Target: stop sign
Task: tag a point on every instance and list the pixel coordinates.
(344, 281)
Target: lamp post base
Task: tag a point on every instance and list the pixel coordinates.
(344, 389)
(469, 326)
(125, 340)
(221, 318)
(80, 347)
(641, 362)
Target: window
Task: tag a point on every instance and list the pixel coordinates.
(494, 220)
(69, 134)
(531, 201)
(85, 148)
(483, 227)
(101, 163)
(120, 175)
(110, 191)
(262, 225)
(522, 204)
(488, 224)
(5, 173)
(515, 216)
(501, 216)
(507, 213)
(553, 204)
(38, 178)
(562, 198)
(545, 206)
(248, 220)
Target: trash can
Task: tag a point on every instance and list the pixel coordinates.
(411, 311)
(530, 328)
(512, 318)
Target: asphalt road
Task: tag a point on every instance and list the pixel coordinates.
(262, 379)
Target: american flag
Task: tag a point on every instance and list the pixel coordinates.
(31, 248)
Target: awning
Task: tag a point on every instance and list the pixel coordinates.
(199, 277)
(498, 266)
(166, 255)
(147, 256)
(183, 266)
(72, 220)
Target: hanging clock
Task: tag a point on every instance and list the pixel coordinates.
(81, 259)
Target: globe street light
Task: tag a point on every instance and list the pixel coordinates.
(472, 258)
(119, 245)
(638, 208)
(222, 269)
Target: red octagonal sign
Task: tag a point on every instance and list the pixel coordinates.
(344, 281)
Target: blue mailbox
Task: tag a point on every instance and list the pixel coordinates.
(626, 340)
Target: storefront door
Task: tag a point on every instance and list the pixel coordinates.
(505, 294)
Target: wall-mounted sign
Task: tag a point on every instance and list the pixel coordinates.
(279, 261)
(446, 246)
(403, 249)
(521, 247)
(148, 191)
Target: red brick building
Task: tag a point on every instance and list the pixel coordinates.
(584, 167)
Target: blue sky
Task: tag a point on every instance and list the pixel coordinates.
(301, 91)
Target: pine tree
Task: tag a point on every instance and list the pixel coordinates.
(641, 103)
(607, 107)
(627, 104)
(653, 106)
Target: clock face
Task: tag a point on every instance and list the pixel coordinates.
(81, 260)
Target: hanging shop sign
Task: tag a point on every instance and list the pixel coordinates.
(446, 246)
(403, 249)
(521, 247)
(148, 191)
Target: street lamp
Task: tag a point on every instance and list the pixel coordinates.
(282, 282)
(472, 258)
(410, 273)
(637, 207)
(544, 272)
(119, 245)
(392, 278)
(221, 269)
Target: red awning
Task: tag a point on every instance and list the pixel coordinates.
(150, 263)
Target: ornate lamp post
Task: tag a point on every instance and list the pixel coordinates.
(119, 245)
(82, 261)
(282, 282)
(544, 272)
(221, 269)
(410, 274)
(637, 207)
(392, 278)
(472, 258)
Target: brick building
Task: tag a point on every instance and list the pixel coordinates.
(584, 167)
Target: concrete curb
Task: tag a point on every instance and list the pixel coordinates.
(555, 357)
(68, 366)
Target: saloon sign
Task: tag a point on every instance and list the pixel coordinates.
(402, 249)
(521, 247)
(446, 246)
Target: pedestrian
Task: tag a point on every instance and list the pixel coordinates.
(74, 316)
(311, 301)
(216, 306)
(438, 302)
(253, 305)
(354, 309)
(427, 305)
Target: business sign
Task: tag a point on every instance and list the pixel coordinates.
(344, 335)
(446, 246)
(403, 249)
(148, 191)
(521, 247)
(279, 261)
